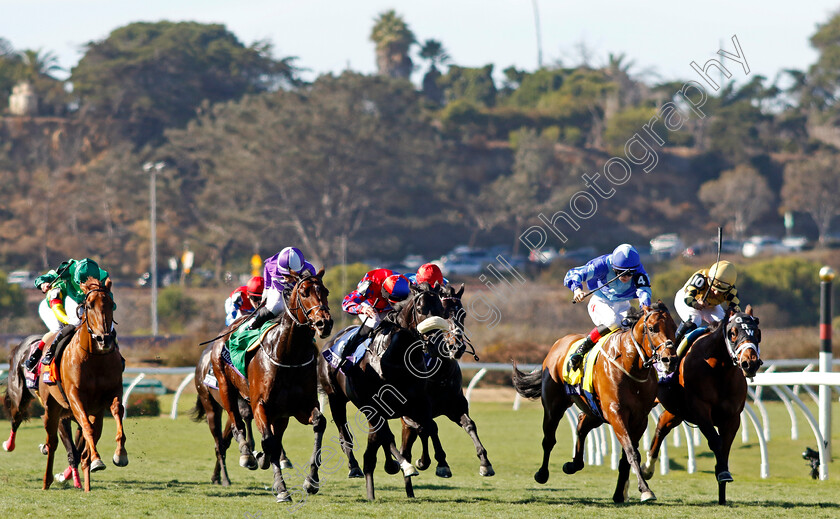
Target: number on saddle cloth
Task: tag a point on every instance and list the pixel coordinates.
(332, 355)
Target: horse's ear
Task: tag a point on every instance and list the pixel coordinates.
(108, 283)
(320, 274)
(749, 310)
(646, 309)
(437, 286)
(460, 291)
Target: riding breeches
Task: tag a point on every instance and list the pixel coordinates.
(709, 314)
(607, 313)
(52, 322)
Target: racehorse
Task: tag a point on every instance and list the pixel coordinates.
(281, 379)
(18, 398)
(709, 389)
(624, 381)
(208, 404)
(90, 381)
(446, 396)
(391, 386)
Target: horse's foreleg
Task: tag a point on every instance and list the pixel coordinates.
(319, 424)
(728, 430)
(82, 417)
(65, 431)
(220, 473)
(485, 468)
(630, 458)
(120, 454)
(585, 424)
(52, 416)
(369, 462)
(226, 394)
(667, 422)
(442, 470)
(338, 408)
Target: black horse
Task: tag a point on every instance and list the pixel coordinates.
(391, 385)
(446, 395)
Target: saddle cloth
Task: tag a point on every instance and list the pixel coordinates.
(332, 354)
(581, 381)
(241, 342)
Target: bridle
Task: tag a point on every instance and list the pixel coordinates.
(749, 332)
(305, 321)
(647, 362)
(99, 339)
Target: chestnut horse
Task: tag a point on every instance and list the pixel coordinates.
(208, 405)
(17, 401)
(624, 383)
(446, 396)
(710, 388)
(397, 389)
(90, 381)
(281, 380)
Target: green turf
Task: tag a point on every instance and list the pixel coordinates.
(171, 463)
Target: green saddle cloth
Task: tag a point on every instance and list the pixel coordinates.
(242, 340)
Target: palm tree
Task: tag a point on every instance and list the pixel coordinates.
(37, 64)
(393, 40)
(433, 52)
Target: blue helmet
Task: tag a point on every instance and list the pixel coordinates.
(625, 257)
(396, 288)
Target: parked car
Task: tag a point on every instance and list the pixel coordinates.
(24, 278)
(543, 256)
(666, 245)
(762, 244)
(796, 243)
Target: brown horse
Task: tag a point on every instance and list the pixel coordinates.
(281, 380)
(208, 405)
(709, 389)
(624, 387)
(18, 398)
(90, 373)
(446, 396)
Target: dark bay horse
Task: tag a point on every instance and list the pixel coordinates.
(90, 373)
(281, 380)
(397, 389)
(625, 384)
(446, 396)
(208, 405)
(710, 388)
(18, 398)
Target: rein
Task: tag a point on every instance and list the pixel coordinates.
(647, 361)
(307, 321)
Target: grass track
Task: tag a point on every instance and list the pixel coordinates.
(171, 463)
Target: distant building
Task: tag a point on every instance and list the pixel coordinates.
(23, 100)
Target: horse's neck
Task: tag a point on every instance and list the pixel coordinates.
(287, 336)
(627, 346)
(714, 346)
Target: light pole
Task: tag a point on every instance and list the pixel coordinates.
(153, 168)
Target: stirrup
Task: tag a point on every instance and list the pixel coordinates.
(575, 361)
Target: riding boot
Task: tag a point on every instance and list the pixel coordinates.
(259, 318)
(577, 357)
(684, 328)
(65, 333)
(32, 361)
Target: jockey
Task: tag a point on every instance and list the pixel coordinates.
(371, 300)
(619, 278)
(278, 275)
(428, 273)
(64, 295)
(706, 296)
(244, 300)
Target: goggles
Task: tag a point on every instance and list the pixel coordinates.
(624, 272)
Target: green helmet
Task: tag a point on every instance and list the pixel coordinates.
(84, 269)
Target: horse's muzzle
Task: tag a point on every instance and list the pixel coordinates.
(324, 327)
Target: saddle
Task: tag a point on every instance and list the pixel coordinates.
(239, 348)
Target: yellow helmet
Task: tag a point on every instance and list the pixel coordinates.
(723, 275)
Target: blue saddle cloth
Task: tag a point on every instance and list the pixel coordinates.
(332, 355)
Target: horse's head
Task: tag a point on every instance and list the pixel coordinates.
(99, 313)
(452, 343)
(422, 313)
(308, 303)
(742, 339)
(658, 330)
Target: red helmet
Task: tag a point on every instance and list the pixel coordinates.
(429, 273)
(255, 286)
(396, 288)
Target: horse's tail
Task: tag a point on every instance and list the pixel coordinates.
(528, 385)
(197, 412)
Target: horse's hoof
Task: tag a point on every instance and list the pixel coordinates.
(8, 446)
(284, 497)
(356, 472)
(724, 477)
(648, 496)
(423, 464)
(571, 467)
(286, 464)
(310, 486)
(391, 466)
(541, 476)
(647, 472)
(263, 461)
(486, 471)
(443, 472)
(60, 478)
(121, 461)
(408, 469)
(97, 465)
(248, 461)
(43, 449)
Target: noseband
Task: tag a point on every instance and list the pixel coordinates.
(748, 332)
(100, 339)
(295, 294)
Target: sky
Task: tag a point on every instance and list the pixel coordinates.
(662, 37)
